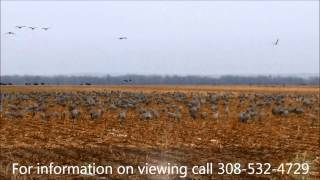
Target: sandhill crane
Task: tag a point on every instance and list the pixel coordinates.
(32, 28)
(20, 27)
(45, 28)
(123, 38)
(127, 80)
(276, 43)
(10, 33)
(122, 116)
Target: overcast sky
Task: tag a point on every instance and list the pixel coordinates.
(182, 38)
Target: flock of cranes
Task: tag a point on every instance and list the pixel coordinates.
(29, 27)
(45, 29)
(120, 38)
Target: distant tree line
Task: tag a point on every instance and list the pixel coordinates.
(158, 80)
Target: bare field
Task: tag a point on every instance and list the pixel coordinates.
(183, 125)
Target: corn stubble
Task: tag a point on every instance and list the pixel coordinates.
(184, 125)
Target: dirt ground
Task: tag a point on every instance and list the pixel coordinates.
(274, 139)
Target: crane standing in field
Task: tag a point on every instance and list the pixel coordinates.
(127, 80)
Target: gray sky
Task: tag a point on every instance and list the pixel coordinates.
(198, 38)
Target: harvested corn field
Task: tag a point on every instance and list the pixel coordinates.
(182, 125)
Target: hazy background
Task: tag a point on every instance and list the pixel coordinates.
(182, 38)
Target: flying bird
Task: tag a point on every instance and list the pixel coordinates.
(122, 38)
(20, 27)
(45, 28)
(32, 28)
(10, 33)
(276, 43)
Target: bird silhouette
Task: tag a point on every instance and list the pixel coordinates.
(10, 33)
(20, 27)
(32, 28)
(127, 80)
(122, 38)
(276, 43)
(45, 28)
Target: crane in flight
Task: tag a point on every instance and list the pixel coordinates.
(32, 28)
(123, 38)
(45, 28)
(276, 43)
(20, 27)
(10, 33)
